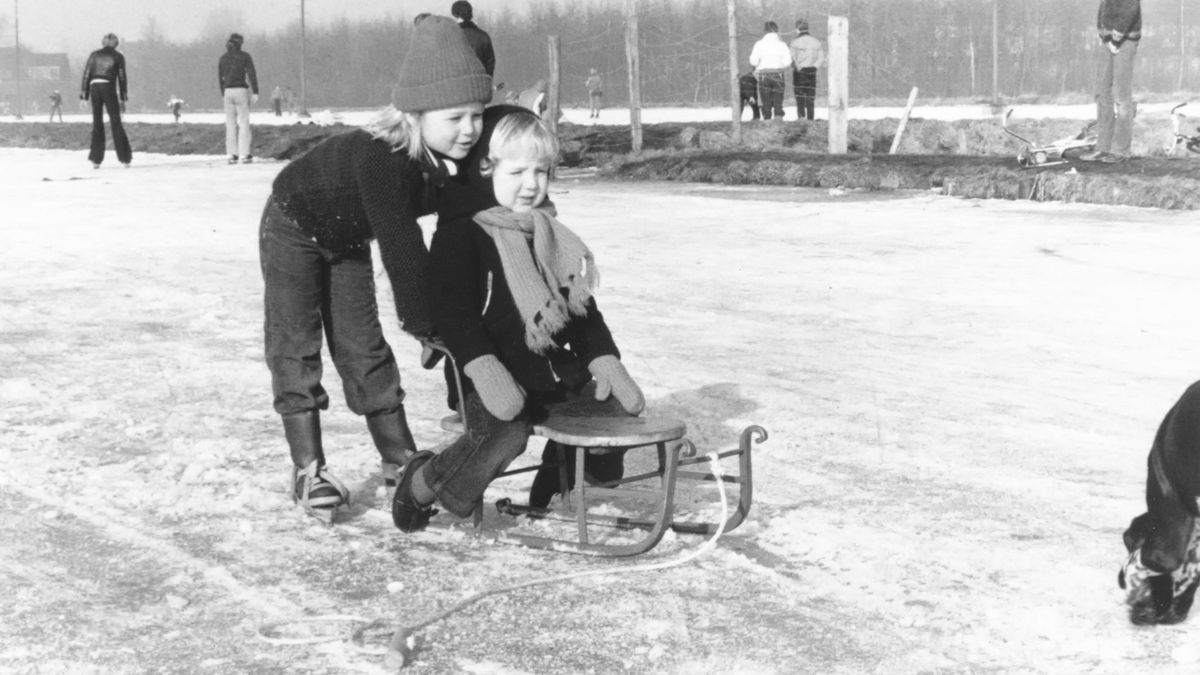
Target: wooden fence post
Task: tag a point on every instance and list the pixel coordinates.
(912, 99)
(839, 83)
(635, 75)
(552, 94)
(735, 89)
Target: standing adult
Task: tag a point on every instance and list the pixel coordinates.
(807, 56)
(1119, 23)
(479, 40)
(239, 88)
(314, 244)
(56, 105)
(277, 101)
(104, 84)
(772, 60)
(595, 88)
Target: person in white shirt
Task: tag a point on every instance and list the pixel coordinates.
(807, 56)
(771, 59)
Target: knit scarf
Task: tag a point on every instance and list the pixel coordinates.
(549, 281)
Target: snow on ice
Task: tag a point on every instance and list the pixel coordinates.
(959, 394)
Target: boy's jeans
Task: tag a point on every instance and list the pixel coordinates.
(462, 472)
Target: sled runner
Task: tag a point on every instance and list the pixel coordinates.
(575, 432)
(1036, 156)
(1180, 139)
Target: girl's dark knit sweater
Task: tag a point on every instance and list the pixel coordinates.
(352, 188)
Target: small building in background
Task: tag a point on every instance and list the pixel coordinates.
(41, 74)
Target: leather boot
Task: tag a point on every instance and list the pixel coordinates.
(394, 440)
(318, 492)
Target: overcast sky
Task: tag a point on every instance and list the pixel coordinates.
(75, 26)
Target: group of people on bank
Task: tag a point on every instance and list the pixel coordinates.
(762, 88)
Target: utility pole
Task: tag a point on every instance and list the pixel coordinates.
(303, 84)
(17, 52)
(995, 51)
(735, 94)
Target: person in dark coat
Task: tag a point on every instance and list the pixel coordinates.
(513, 302)
(479, 40)
(748, 92)
(104, 84)
(239, 90)
(314, 245)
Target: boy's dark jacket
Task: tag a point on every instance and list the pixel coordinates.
(473, 307)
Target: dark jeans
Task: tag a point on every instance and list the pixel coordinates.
(804, 82)
(461, 473)
(310, 291)
(770, 94)
(104, 97)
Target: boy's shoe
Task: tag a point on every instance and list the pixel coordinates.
(233, 159)
(1110, 158)
(407, 514)
(1092, 156)
(248, 160)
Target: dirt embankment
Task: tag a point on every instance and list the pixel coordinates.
(972, 158)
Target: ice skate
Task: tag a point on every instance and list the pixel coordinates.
(318, 492)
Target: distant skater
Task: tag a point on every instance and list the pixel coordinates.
(56, 105)
(595, 89)
(1119, 23)
(239, 88)
(175, 105)
(277, 101)
(104, 84)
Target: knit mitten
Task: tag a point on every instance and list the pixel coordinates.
(612, 378)
(500, 393)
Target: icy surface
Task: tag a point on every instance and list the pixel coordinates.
(959, 394)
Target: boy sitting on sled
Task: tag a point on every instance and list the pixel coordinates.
(513, 302)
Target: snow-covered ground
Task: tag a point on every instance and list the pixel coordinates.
(655, 115)
(959, 395)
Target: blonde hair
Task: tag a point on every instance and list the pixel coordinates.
(522, 135)
(400, 130)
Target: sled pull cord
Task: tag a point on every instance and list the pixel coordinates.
(400, 648)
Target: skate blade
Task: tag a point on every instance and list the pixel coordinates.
(326, 516)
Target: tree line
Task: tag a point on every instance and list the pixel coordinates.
(1046, 48)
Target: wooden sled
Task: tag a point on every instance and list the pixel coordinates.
(676, 457)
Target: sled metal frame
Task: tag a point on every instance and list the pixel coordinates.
(577, 431)
(1039, 156)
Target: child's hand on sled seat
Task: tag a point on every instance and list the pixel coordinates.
(612, 378)
(500, 393)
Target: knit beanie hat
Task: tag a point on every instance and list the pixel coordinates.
(440, 70)
(802, 26)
